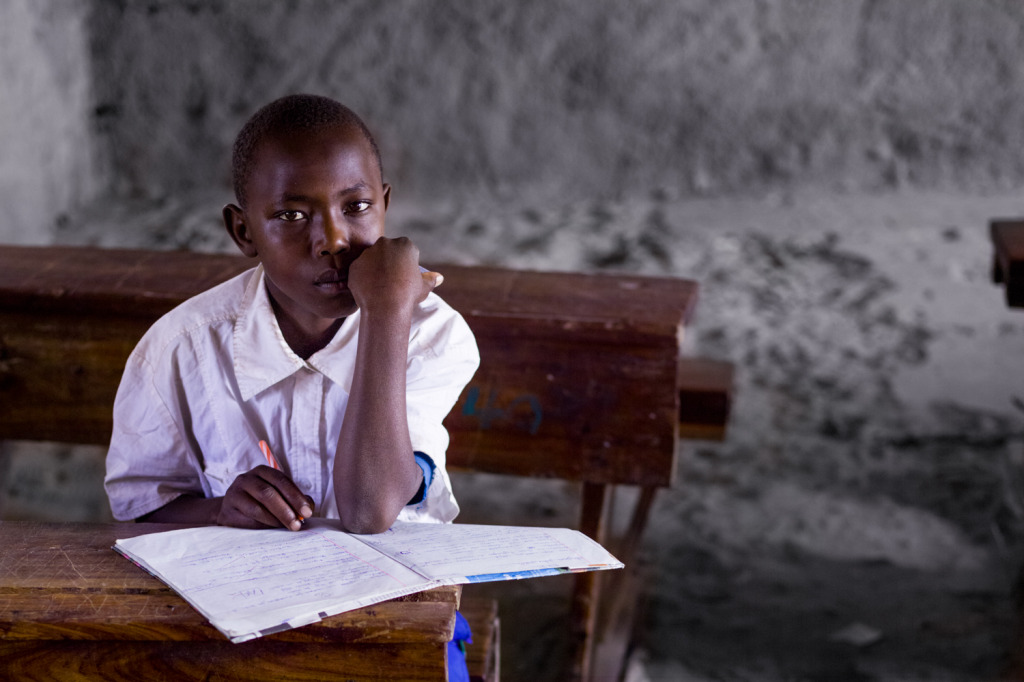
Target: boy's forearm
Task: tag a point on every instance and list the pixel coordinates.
(375, 474)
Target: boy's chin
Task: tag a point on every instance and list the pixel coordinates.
(333, 302)
(337, 312)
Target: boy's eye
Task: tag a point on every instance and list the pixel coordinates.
(291, 216)
(358, 206)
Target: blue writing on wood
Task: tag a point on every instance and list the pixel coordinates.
(490, 412)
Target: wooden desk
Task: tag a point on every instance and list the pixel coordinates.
(71, 608)
(1007, 235)
(567, 360)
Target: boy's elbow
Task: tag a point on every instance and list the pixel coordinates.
(367, 522)
(364, 528)
(364, 514)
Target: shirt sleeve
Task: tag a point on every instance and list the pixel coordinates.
(427, 466)
(148, 463)
(443, 358)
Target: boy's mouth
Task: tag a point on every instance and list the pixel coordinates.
(331, 279)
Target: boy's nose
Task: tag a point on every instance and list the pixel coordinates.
(335, 237)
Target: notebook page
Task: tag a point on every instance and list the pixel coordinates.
(458, 552)
(252, 582)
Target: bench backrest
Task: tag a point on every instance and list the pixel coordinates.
(578, 378)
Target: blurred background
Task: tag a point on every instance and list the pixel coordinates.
(826, 170)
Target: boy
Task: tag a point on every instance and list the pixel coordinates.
(333, 351)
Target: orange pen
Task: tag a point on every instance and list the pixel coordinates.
(272, 461)
(269, 455)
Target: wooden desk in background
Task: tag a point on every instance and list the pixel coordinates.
(72, 608)
(1007, 235)
(1008, 258)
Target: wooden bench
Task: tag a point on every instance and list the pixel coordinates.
(580, 377)
(1008, 258)
(1007, 236)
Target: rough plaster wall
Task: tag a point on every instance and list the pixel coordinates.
(543, 101)
(573, 136)
(46, 167)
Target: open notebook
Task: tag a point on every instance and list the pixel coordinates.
(250, 583)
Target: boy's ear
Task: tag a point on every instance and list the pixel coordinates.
(234, 223)
(387, 195)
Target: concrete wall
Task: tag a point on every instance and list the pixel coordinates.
(47, 163)
(825, 169)
(557, 101)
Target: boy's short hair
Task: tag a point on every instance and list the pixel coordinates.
(288, 114)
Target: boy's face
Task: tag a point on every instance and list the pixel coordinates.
(315, 201)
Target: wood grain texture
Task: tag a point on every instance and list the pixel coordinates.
(60, 581)
(72, 608)
(577, 379)
(483, 656)
(256, 661)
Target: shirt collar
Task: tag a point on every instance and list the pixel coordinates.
(337, 360)
(262, 357)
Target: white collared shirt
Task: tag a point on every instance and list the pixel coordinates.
(215, 376)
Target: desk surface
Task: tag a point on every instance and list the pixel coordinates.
(63, 590)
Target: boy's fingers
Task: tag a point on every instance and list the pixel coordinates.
(282, 498)
(433, 279)
(242, 511)
(269, 497)
(299, 503)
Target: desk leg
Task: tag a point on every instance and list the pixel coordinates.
(626, 551)
(620, 605)
(587, 591)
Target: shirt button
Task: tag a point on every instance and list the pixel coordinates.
(304, 484)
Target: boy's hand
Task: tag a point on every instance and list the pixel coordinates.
(264, 497)
(386, 277)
